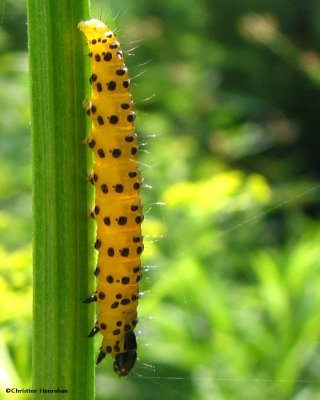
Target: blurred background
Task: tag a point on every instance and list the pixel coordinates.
(228, 102)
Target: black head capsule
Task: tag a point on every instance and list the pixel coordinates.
(124, 362)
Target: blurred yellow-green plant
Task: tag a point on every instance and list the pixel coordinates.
(15, 317)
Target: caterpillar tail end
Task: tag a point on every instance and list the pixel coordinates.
(91, 26)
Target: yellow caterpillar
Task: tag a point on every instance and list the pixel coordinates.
(117, 210)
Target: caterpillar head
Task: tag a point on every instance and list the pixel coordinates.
(124, 362)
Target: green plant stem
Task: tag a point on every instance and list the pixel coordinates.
(62, 354)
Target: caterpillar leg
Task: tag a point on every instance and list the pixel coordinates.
(86, 103)
(93, 331)
(101, 356)
(90, 299)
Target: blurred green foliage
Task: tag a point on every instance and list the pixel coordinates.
(15, 200)
(232, 301)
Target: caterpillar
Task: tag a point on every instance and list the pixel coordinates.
(118, 208)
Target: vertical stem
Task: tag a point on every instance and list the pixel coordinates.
(62, 354)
